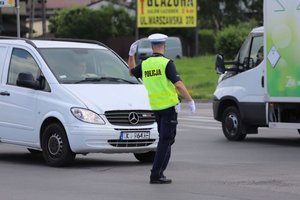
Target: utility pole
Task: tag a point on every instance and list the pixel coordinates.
(43, 4)
(1, 21)
(32, 9)
(17, 8)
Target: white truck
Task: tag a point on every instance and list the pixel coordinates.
(63, 98)
(262, 87)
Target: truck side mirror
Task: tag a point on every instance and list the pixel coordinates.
(220, 66)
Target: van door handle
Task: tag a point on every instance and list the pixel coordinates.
(4, 93)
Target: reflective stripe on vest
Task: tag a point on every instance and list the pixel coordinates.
(161, 91)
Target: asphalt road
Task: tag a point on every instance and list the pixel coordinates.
(204, 165)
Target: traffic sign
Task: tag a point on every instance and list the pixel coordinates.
(7, 3)
(166, 13)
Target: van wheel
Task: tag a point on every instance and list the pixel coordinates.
(55, 145)
(232, 124)
(145, 157)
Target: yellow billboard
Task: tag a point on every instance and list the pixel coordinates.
(166, 13)
(7, 3)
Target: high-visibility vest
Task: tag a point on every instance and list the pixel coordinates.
(161, 91)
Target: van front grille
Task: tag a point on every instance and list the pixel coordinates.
(131, 143)
(130, 117)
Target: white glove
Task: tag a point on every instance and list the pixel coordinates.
(178, 107)
(133, 48)
(192, 106)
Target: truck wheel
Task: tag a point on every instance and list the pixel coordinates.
(55, 145)
(232, 124)
(145, 157)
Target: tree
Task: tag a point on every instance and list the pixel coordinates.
(230, 39)
(81, 22)
(218, 14)
(255, 10)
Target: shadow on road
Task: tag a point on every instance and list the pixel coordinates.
(22, 158)
(79, 162)
(286, 142)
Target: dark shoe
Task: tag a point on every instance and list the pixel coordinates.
(162, 180)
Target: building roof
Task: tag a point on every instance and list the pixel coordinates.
(53, 5)
(59, 4)
(67, 3)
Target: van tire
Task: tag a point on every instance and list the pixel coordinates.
(232, 124)
(145, 157)
(55, 145)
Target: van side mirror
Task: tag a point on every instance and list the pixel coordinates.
(220, 66)
(27, 80)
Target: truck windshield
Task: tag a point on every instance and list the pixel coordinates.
(244, 50)
(75, 65)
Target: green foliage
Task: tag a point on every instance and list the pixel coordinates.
(230, 39)
(72, 22)
(81, 22)
(218, 14)
(198, 74)
(256, 9)
(207, 41)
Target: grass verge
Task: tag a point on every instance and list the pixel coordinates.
(199, 75)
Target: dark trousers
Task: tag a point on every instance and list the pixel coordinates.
(167, 121)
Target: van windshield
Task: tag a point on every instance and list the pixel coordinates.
(80, 65)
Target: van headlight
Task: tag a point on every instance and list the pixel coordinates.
(87, 116)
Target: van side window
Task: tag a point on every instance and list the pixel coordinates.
(22, 62)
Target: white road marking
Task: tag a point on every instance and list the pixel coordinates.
(198, 122)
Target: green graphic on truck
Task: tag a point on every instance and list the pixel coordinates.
(282, 48)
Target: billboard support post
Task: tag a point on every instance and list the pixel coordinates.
(196, 33)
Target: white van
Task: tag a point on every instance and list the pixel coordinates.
(173, 48)
(64, 98)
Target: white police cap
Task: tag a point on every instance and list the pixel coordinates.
(157, 38)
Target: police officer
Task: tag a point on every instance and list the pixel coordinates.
(162, 83)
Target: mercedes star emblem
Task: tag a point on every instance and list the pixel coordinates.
(133, 118)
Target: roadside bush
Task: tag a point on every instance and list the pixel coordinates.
(207, 41)
(101, 24)
(230, 39)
